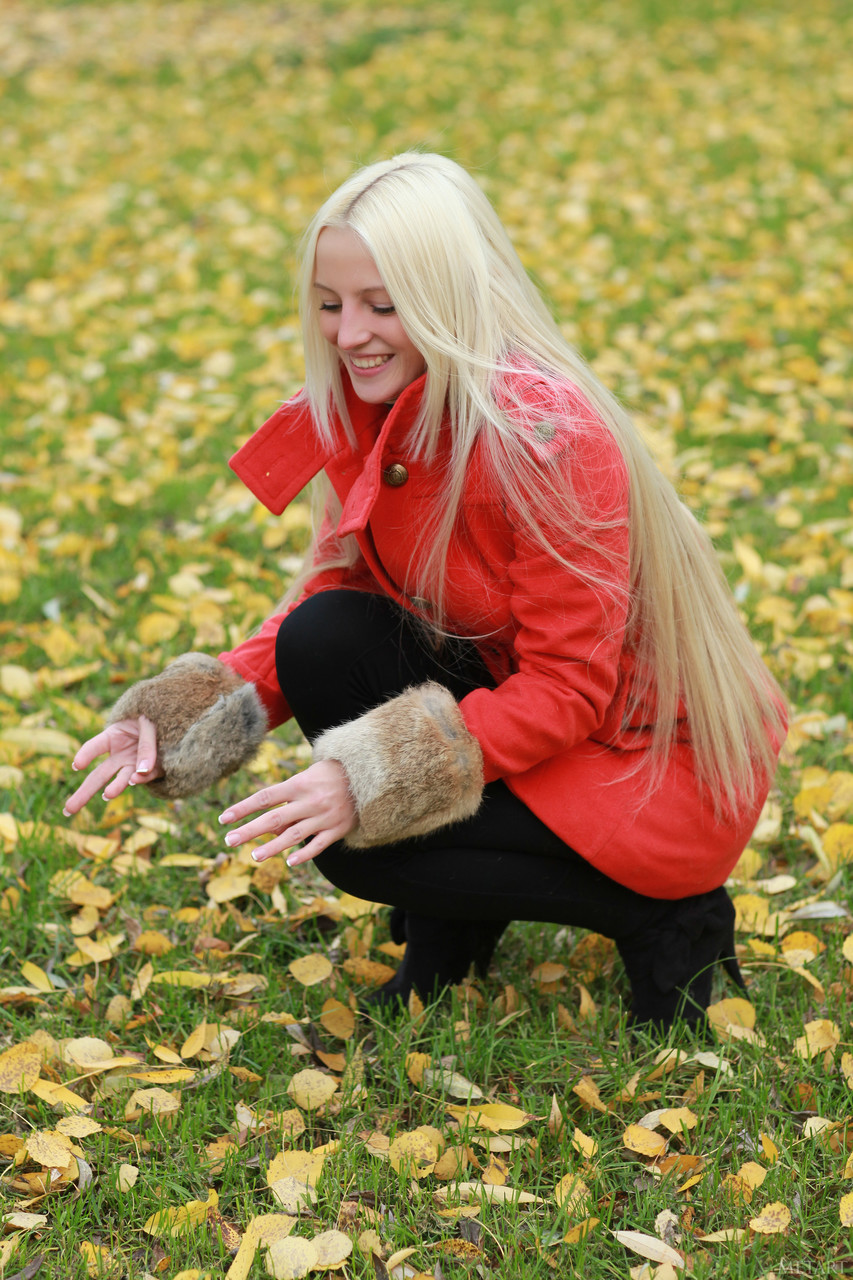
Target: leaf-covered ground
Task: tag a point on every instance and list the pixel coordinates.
(678, 179)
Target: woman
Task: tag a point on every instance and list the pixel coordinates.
(526, 685)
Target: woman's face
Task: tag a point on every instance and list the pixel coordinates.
(358, 318)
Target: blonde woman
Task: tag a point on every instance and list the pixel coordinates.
(527, 688)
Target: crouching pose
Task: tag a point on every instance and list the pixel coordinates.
(527, 688)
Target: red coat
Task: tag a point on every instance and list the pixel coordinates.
(553, 728)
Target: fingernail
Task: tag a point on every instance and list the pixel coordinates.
(231, 839)
(75, 768)
(66, 813)
(256, 855)
(131, 784)
(292, 861)
(144, 767)
(227, 816)
(104, 796)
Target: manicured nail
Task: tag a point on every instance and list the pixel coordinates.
(66, 813)
(76, 768)
(256, 855)
(143, 767)
(231, 839)
(292, 861)
(227, 816)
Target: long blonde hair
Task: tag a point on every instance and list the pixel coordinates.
(465, 301)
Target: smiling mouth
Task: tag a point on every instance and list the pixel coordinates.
(368, 362)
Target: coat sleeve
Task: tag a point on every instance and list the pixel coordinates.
(569, 621)
(254, 659)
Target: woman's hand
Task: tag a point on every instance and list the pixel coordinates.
(131, 750)
(315, 806)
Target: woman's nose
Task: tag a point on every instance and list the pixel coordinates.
(353, 330)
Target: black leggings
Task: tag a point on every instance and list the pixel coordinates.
(342, 652)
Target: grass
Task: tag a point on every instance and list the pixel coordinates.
(675, 177)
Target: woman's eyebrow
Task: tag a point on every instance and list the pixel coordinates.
(371, 288)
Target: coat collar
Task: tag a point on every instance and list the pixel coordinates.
(278, 461)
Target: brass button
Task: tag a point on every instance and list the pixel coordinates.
(395, 475)
(545, 431)
(418, 602)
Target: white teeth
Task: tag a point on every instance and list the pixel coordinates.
(369, 362)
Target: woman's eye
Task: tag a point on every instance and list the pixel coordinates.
(330, 306)
(385, 311)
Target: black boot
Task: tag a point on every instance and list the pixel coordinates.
(439, 954)
(670, 964)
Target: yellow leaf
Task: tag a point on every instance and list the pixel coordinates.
(572, 1193)
(16, 682)
(174, 1221)
(677, 1118)
(305, 1165)
(494, 1116)
(228, 887)
(414, 1153)
(155, 628)
(548, 972)
(416, 1064)
(36, 977)
(367, 971)
(166, 1075)
(57, 1095)
(78, 1126)
(293, 1194)
(838, 845)
(845, 1210)
(159, 1102)
(725, 1236)
(41, 742)
(769, 1148)
(581, 1231)
(338, 1019)
(649, 1247)
(142, 981)
(98, 1260)
(799, 947)
(292, 1258)
(732, 1017)
(311, 1089)
(195, 1041)
(752, 1174)
(587, 1090)
(183, 978)
(153, 943)
(773, 1220)
(24, 1221)
(494, 1194)
(90, 1052)
(588, 1008)
(333, 1248)
(49, 1148)
(821, 1035)
(644, 1141)
(588, 1147)
(126, 1177)
(20, 1067)
(311, 969)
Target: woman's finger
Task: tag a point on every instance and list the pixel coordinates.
(146, 750)
(264, 799)
(90, 750)
(89, 787)
(275, 822)
(119, 782)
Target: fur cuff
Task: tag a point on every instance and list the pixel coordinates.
(209, 722)
(411, 764)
